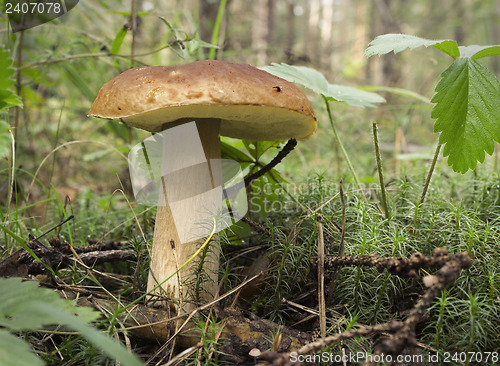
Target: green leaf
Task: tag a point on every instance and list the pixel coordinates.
(100, 340)
(26, 306)
(76, 78)
(230, 152)
(476, 51)
(117, 42)
(415, 156)
(305, 76)
(19, 306)
(8, 97)
(15, 352)
(467, 113)
(96, 155)
(392, 42)
(5, 139)
(353, 96)
(257, 148)
(314, 80)
(25, 246)
(398, 91)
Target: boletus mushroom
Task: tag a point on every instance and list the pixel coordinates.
(222, 98)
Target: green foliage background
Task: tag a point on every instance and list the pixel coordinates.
(59, 152)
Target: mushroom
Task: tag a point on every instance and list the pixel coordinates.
(222, 98)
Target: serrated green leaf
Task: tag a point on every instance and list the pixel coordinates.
(117, 42)
(467, 113)
(8, 97)
(103, 342)
(26, 306)
(353, 96)
(475, 51)
(393, 42)
(314, 80)
(15, 352)
(305, 76)
(19, 305)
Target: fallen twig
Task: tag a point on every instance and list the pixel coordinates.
(290, 145)
(401, 334)
(60, 254)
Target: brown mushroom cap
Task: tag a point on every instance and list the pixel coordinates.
(252, 104)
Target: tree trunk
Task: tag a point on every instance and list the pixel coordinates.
(290, 31)
(263, 29)
(315, 19)
(207, 15)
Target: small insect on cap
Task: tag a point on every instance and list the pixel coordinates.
(251, 103)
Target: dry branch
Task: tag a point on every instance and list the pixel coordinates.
(290, 145)
(59, 255)
(402, 334)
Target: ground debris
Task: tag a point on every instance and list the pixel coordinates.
(398, 335)
(241, 331)
(59, 255)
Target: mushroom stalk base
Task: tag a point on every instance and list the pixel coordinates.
(198, 280)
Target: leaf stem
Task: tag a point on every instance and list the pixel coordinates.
(427, 183)
(429, 174)
(216, 31)
(339, 142)
(379, 167)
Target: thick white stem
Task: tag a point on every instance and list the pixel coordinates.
(188, 192)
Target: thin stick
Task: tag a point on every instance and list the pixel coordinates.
(429, 175)
(342, 234)
(321, 278)
(53, 228)
(290, 145)
(380, 171)
(335, 273)
(183, 355)
(341, 145)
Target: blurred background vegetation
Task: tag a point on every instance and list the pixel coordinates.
(66, 163)
(62, 64)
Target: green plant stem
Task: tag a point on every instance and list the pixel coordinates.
(380, 296)
(498, 192)
(427, 183)
(18, 82)
(12, 178)
(379, 167)
(429, 175)
(216, 31)
(339, 142)
(440, 321)
(49, 193)
(321, 278)
(133, 25)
